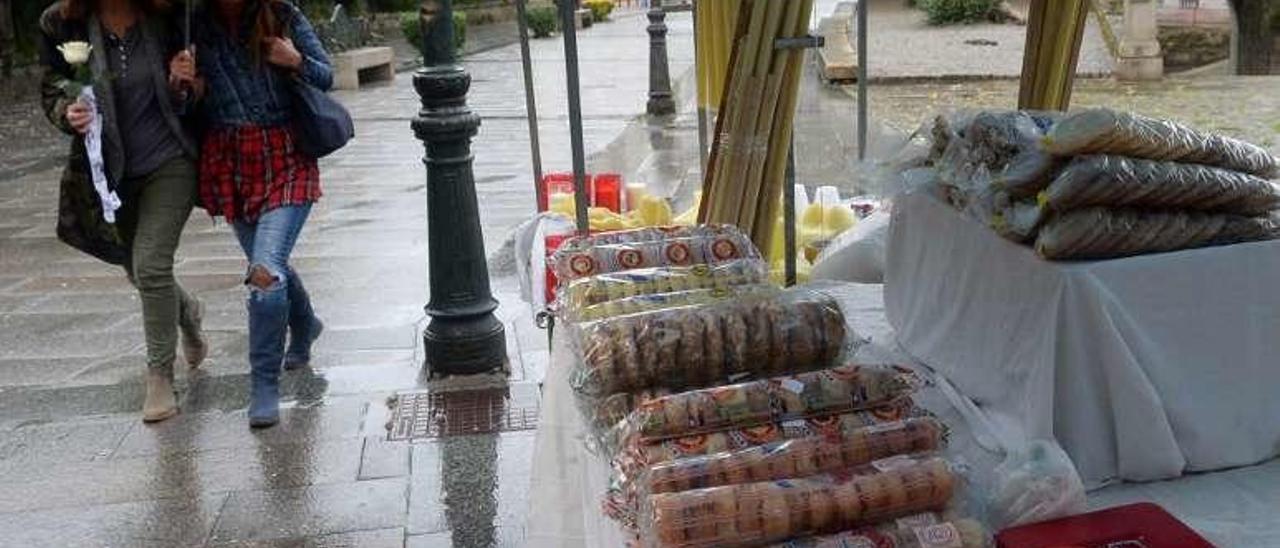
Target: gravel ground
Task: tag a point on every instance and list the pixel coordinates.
(1243, 107)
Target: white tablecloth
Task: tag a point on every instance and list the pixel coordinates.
(1142, 368)
(567, 481)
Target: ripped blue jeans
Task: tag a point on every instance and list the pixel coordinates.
(281, 306)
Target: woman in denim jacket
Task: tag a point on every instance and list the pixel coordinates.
(252, 174)
(143, 80)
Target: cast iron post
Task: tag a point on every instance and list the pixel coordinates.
(660, 101)
(463, 337)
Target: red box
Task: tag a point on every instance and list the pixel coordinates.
(1141, 525)
(554, 183)
(606, 191)
(603, 190)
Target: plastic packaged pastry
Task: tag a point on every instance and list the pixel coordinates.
(605, 413)
(930, 532)
(632, 458)
(1118, 181)
(1101, 233)
(764, 333)
(607, 252)
(823, 392)
(659, 301)
(760, 513)
(601, 288)
(1105, 131)
(793, 458)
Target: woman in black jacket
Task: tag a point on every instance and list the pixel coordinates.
(142, 80)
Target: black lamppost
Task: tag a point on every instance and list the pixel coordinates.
(463, 337)
(660, 100)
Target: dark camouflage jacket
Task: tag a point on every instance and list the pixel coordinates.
(80, 221)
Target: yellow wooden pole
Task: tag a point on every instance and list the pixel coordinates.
(1055, 30)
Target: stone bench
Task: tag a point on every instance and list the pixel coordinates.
(837, 59)
(371, 63)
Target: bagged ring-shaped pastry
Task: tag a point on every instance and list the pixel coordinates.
(760, 513)
(790, 458)
(631, 458)
(826, 391)
(805, 330)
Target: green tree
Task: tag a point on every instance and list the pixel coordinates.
(8, 42)
(1255, 35)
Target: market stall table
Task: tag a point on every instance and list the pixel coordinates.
(1142, 368)
(568, 480)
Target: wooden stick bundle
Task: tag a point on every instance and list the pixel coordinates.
(745, 172)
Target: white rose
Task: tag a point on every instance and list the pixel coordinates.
(75, 53)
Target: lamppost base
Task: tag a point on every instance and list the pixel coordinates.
(661, 106)
(465, 346)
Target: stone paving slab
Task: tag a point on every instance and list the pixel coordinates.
(311, 511)
(154, 523)
(377, 538)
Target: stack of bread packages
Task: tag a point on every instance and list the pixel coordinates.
(1100, 184)
(729, 411)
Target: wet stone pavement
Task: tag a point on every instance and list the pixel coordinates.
(78, 468)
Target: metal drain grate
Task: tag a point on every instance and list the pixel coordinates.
(424, 415)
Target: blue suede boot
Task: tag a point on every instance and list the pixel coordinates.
(304, 326)
(268, 322)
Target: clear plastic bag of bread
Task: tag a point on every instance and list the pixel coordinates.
(764, 333)
(658, 301)
(1008, 144)
(1003, 144)
(1035, 483)
(602, 288)
(1120, 181)
(756, 514)
(632, 459)
(924, 530)
(605, 252)
(1017, 220)
(849, 387)
(1105, 131)
(1103, 233)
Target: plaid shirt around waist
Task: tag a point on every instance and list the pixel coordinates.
(246, 171)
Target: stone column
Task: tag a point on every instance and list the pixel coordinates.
(464, 336)
(660, 100)
(1140, 55)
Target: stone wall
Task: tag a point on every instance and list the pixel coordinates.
(1189, 47)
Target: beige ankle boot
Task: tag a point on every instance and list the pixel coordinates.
(161, 403)
(195, 348)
